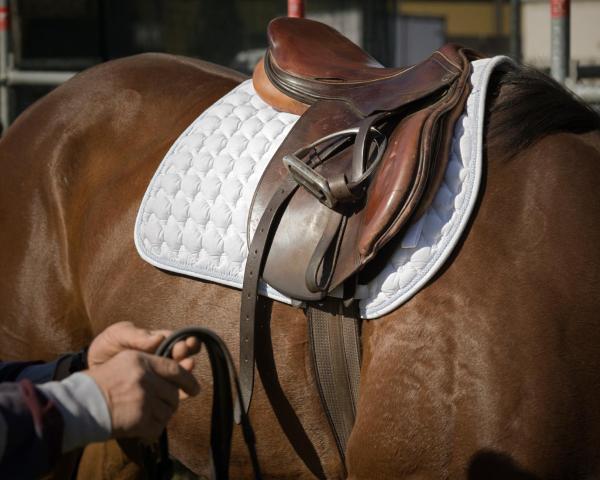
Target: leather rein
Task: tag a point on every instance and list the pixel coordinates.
(157, 462)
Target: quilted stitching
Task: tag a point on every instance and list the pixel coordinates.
(193, 217)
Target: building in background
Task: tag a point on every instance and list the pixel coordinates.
(75, 34)
(585, 32)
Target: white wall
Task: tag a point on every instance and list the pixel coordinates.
(585, 32)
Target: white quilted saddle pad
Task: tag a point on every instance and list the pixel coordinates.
(193, 217)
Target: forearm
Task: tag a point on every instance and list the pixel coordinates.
(83, 408)
(38, 423)
(42, 372)
(31, 430)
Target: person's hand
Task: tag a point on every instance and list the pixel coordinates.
(126, 336)
(123, 336)
(141, 391)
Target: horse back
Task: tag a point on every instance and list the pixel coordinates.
(106, 128)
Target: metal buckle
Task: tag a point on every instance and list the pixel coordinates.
(303, 172)
(314, 182)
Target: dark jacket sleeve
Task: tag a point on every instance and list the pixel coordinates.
(42, 372)
(33, 427)
(9, 371)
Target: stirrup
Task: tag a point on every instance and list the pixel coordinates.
(303, 171)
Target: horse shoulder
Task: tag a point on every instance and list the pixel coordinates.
(492, 364)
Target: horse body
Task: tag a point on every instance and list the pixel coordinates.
(491, 368)
(494, 361)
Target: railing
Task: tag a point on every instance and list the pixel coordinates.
(560, 9)
(10, 76)
(560, 12)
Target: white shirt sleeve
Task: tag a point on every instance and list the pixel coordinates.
(84, 410)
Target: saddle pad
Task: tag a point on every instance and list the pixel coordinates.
(193, 217)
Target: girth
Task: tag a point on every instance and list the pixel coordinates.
(359, 166)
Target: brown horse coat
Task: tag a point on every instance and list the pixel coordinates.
(491, 369)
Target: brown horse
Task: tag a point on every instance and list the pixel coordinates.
(491, 371)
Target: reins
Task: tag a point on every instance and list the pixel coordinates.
(156, 460)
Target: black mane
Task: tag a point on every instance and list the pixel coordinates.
(525, 105)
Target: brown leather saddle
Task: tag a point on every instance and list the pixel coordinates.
(362, 163)
(392, 129)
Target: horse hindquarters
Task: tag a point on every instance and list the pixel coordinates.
(492, 369)
(75, 166)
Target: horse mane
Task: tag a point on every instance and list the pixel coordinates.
(525, 105)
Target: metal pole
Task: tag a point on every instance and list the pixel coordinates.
(560, 48)
(498, 19)
(515, 30)
(32, 77)
(4, 107)
(588, 93)
(296, 8)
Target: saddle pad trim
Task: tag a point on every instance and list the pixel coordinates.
(475, 109)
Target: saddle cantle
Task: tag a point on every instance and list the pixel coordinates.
(361, 164)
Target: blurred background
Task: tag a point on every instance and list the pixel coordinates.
(55, 36)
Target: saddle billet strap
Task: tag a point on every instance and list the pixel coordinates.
(282, 408)
(253, 312)
(318, 153)
(334, 335)
(250, 297)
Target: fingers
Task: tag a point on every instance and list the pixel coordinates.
(119, 337)
(182, 349)
(187, 364)
(130, 336)
(125, 335)
(142, 391)
(172, 372)
(165, 392)
(185, 348)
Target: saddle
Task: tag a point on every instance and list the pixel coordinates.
(359, 197)
(362, 163)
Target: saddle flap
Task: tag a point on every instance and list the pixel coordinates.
(389, 191)
(303, 222)
(433, 152)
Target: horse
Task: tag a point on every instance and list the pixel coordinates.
(490, 371)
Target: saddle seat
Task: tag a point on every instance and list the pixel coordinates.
(313, 50)
(308, 61)
(414, 108)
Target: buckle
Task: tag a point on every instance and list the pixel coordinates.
(314, 182)
(303, 171)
